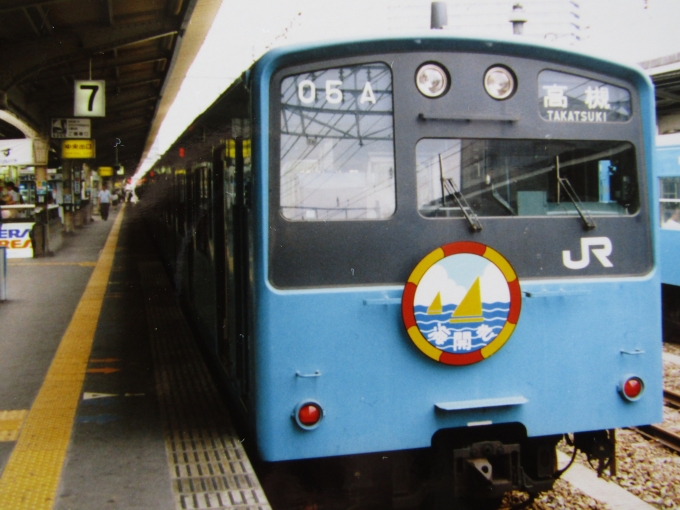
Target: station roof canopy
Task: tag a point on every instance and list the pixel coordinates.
(141, 48)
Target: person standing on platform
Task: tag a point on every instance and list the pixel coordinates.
(104, 202)
(13, 194)
(3, 201)
(114, 199)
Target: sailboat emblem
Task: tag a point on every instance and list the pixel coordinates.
(470, 308)
(461, 303)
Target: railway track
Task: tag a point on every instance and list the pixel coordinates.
(671, 398)
(661, 434)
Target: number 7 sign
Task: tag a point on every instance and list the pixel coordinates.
(90, 98)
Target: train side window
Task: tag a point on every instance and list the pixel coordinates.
(504, 177)
(181, 185)
(670, 202)
(337, 145)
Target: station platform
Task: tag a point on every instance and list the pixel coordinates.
(105, 401)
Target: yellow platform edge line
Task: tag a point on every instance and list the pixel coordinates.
(31, 476)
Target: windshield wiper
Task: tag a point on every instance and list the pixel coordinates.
(571, 193)
(449, 187)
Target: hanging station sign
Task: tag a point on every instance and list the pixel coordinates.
(71, 128)
(90, 98)
(78, 149)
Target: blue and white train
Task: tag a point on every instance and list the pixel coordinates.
(435, 252)
(667, 170)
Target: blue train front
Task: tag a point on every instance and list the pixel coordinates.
(438, 242)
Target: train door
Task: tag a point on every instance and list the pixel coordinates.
(219, 260)
(181, 231)
(203, 269)
(188, 239)
(234, 345)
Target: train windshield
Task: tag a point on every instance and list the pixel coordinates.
(505, 177)
(337, 144)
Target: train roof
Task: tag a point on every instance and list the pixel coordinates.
(430, 41)
(234, 102)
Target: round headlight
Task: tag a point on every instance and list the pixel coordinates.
(432, 80)
(499, 82)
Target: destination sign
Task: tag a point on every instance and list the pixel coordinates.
(576, 99)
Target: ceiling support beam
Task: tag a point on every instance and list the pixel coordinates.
(78, 45)
(109, 13)
(45, 22)
(101, 64)
(14, 5)
(129, 105)
(60, 96)
(27, 15)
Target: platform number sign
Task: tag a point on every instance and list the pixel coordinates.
(90, 98)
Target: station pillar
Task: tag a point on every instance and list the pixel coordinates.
(86, 179)
(41, 234)
(67, 168)
(40, 150)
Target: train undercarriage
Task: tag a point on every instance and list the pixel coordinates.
(472, 468)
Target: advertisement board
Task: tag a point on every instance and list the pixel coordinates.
(16, 238)
(16, 152)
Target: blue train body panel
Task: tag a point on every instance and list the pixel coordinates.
(380, 393)
(667, 165)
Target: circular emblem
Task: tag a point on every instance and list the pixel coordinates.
(461, 303)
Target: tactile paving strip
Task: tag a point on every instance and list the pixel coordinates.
(208, 465)
(10, 424)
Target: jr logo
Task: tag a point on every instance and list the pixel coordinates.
(601, 248)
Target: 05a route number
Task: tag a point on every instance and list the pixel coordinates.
(334, 94)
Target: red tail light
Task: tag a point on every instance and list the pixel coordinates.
(632, 388)
(308, 415)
